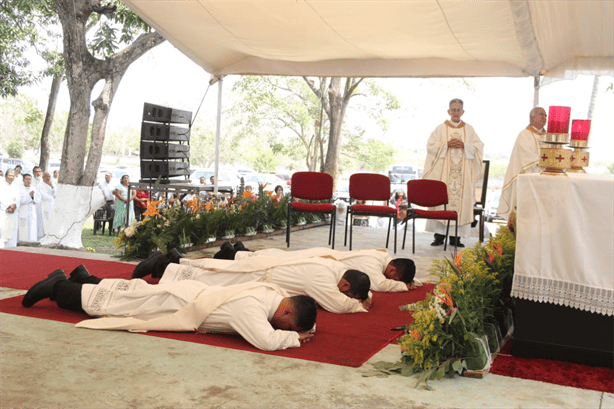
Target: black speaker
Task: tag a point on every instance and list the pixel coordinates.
(164, 132)
(152, 169)
(152, 150)
(157, 113)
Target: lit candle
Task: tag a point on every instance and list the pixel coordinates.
(580, 129)
(558, 119)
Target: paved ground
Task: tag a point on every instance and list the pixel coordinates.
(47, 364)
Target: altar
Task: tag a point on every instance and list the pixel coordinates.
(564, 274)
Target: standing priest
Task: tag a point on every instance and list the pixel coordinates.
(524, 159)
(30, 198)
(454, 156)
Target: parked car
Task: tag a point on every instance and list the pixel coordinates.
(226, 179)
(492, 204)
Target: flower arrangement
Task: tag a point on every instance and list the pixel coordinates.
(170, 224)
(450, 327)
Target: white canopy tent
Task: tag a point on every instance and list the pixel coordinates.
(547, 40)
(406, 38)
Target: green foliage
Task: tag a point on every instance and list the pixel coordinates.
(497, 170)
(14, 149)
(610, 167)
(171, 225)
(468, 297)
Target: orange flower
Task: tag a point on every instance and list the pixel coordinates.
(208, 206)
(490, 258)
(152, 209)
(193, 204)
(416, 334)
(458, 259)
(247, 194)
(498, 248)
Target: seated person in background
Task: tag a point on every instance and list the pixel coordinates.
(261, 313)
(279, 194)
(334, 287)
(385, 273)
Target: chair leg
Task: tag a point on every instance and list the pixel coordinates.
(405, 233)
(413, 235)
(333, 220)
(482, 227)
(347, 216)
(288, 226)
(445, 241)
(351, 231)
(396, 223)
(455, 235)
(388, 233)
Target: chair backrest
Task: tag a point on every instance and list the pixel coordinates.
(369, 186)
(312, 186)
(427, 193)
(481, 189)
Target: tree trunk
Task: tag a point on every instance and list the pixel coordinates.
(45, 145)
(76, 198)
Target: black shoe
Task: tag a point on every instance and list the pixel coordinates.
(227, 246)
(226, 253)
(455, 240)
(437, 243)
(79, 275)
(240, 247)
(154, 265)
(43, 289)
(174, 256)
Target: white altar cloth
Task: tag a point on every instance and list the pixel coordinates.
(564, 243)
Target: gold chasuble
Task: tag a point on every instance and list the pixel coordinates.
(460, 169)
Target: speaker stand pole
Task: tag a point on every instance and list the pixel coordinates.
(220, 80)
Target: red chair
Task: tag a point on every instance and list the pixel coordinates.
(370, 186)
(312, 186)
(428, 193)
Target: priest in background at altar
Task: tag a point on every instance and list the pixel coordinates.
(524, 159)
(28, 229)
(454, 156)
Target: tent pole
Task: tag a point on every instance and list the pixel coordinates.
(536, 86)
(218, 132)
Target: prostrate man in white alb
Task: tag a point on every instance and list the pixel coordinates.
(454, 156)
(334, 287)
(385, 273)
(47, 192)
(524, 159)
(261, 313)
(28, 228)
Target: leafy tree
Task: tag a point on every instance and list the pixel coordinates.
(20, 25)
(14, 149)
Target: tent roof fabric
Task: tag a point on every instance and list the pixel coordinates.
(377, 38)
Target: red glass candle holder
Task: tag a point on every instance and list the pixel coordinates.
(558, 119)
(580, 129)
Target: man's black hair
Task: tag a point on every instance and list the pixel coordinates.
(406, 267)
(359, 283)
(306, 311)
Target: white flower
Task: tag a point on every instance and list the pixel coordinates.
(129, 232)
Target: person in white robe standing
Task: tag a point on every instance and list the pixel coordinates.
(47, 192)
(524, 159)
(37, 179)
(28, 228)
(386, 274)
(333, 286)
(261, 313)
(10, 198)
(454, 156)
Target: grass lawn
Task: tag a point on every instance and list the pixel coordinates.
(101, 243)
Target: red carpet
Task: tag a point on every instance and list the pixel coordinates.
(341, 339)
(557, 372)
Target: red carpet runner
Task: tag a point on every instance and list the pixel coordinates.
(557, 372)
(341, 339)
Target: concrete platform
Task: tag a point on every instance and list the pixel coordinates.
(46, 364)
